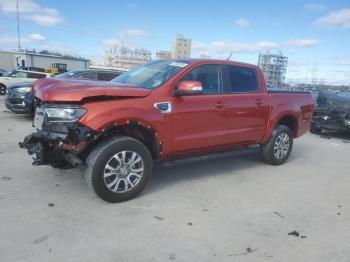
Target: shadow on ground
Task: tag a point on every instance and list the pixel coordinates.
(199, 168)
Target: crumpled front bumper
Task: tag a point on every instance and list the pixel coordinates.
(58, 149)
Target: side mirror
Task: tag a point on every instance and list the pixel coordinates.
(188, 88)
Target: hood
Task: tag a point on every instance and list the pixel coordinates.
(72, 90)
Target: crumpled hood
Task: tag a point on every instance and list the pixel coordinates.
(72, 90)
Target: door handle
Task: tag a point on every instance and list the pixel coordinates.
(259, 102)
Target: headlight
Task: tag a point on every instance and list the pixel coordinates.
(63, 113)
(24, 89)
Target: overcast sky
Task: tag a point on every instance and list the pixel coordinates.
(314, 35)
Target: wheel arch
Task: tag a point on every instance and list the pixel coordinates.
(131, 128)
(290, 121)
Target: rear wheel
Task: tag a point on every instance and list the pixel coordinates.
(2, 89)
(118, 169)
(279, 146)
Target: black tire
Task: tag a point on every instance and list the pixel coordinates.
(102, 154)
(2, 90)
(267, 150)
(314, 129)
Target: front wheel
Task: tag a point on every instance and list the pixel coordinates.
(279, 146)
(118, 169)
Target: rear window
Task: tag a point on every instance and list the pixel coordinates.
(240, 79)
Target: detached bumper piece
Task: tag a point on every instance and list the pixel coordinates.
(58, 149)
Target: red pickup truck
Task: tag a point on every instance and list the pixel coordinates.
(161, 110)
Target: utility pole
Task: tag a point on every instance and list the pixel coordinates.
(18, 35)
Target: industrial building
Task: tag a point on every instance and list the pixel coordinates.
(274, 67)
(181, 47)
(163, 54)
(10, 60)
(126, 58)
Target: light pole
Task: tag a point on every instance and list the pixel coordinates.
(18, 35)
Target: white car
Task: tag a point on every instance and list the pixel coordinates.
(18, 76)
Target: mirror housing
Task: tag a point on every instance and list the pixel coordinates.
(188, 88)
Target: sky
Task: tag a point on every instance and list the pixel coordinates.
(315, 35)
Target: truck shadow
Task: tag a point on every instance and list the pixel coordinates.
(199, 168)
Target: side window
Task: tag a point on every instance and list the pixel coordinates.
(208, 75)
(240, 79)
(107, 76)
(35, 75)
(87, 75)
(20, 74)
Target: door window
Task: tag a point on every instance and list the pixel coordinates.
(36, 75)
(208, 75)
(20, 74)
(240, 79)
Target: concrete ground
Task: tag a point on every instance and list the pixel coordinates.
(227, 207)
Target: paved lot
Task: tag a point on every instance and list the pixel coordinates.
(227, 207)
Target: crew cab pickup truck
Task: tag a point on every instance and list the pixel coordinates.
(161, 110)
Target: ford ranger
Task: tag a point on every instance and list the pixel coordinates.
(161, 110)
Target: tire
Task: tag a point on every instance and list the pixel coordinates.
(268, 151)
(127, 182)
(2, 90)
(314, 129)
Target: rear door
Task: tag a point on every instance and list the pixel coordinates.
(248, 104)
(200, 121)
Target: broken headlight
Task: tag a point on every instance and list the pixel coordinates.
(63, 113)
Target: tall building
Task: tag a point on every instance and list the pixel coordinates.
(181, 47)
(274, 67)
(126, 58)
(163, 54)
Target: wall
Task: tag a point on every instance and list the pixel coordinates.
(8, 61)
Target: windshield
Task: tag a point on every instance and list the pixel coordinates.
(152, 74)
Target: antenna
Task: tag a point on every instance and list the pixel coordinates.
(229, 57)
(18, 35)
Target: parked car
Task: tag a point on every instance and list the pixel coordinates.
(31, 68)
(19, 76)
(3, 72)
(332, 112)
(161, 110)
(20, 98)
(92, 74)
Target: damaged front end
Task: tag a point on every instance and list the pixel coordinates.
(332, 111)
(60, 140)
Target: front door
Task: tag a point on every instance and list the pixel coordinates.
(200, 121)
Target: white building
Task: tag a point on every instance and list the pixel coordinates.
(181, 47)
(10, 60)
(125, 57)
